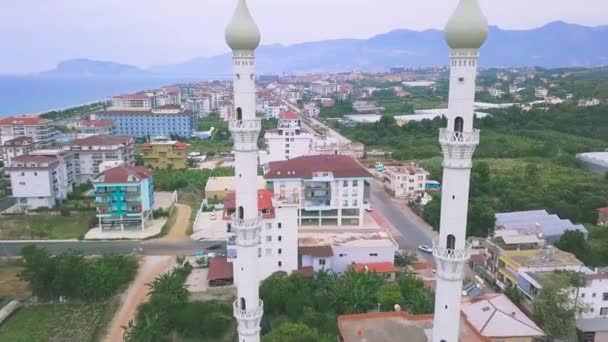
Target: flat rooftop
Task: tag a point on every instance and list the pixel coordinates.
(539, 258)
(395, 326)
(344, 237)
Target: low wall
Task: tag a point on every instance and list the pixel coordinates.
(8, 309)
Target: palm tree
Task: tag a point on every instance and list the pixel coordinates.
(169, 285)
(150, 329)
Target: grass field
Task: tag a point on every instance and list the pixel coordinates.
(10, 284)
(43, 225)
(57, 322)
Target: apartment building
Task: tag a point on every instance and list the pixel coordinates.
(311, 110)
(323, 87)
(16, 147)
(137, 101)
(94, 127)
(155, 122)
(42, 178)
(165, 155)
(124, 197)
(334, 190)
(91, 152)
(37, 128)
(288, 141)
(405, 181)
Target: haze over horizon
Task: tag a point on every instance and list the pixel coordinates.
(151, 32)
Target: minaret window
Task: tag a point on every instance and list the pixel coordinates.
(451, 242)
(239, 114)
(458, 124)
(243, 304)
(241, 212)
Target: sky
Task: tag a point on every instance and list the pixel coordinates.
(37, 34)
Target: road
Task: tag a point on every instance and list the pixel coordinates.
(412, 233)
(152, 247)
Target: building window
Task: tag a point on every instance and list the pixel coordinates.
(322, 262)
(345, 184)
(268, 225)
(280, 263)
(582, 295)
(345, 203)
(268, 238)
(341, 255)
(280, 238)
(593, 295)
(279, 225)
(259, 252)
(355, 183)
(373, 254)
(354, 203)
(605, 296)
(280, 251)
(604, 311)
(268, 251)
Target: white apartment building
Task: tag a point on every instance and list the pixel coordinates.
(272, 109)
(278, 250)
(137, 101)
(15, 148)
(92, 151)
(323, 88)
(94, 127)
(41, 179)
(495, 92)
(288, 141)
(39, 129)
(333, 190)
(588, 102)
(311, 110)
(541, 93)
(338, 250)
(405, 181)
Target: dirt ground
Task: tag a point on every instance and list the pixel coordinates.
(136, 294)
(10, 284)
(179, 231)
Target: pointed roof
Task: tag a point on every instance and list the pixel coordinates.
(467, 28)
(242, 33)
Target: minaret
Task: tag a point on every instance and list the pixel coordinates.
(243, 37)
(465, 32)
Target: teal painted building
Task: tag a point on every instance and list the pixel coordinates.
(124, 197)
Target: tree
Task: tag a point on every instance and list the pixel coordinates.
(555, 310)
(149, 329)
(574, 241)
(295, 332)
(481, 217)
(170, 286)
(354, 292)
(417, 298)
(284, 294)
(390, 295)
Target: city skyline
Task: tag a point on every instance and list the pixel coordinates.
(160, 33)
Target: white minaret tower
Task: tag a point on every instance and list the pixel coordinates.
(465, 32)
(243, 37)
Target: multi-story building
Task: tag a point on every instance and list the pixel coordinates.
(91, 152)
(16, 147)
(323, 87)
(165, 155)
(311, 110)
(95, 127)
(288, 141)
(552, 227)
(278, 249)
(156, 122)
(124, 197)
(333, 190)
(39, 129)
(137, 101)
(405, 181)
(42, 178)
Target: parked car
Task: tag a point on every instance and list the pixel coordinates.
(214, 247)
(425, 248)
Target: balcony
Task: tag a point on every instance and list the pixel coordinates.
(245, 134)
(458, 147)
(247, 230)
(248, 320)
(450, 262)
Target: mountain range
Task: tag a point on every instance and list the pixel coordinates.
(557, 44)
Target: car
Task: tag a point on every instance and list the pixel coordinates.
(214, 247)
(425, 248)
(369, 209)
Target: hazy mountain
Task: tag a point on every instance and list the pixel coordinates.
(556, 44)
(87, 67)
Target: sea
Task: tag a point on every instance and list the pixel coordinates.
(38, 94)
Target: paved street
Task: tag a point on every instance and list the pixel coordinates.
(152, 247)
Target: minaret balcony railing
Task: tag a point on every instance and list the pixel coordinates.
(450, 262)
(245, 134)
(458, 147)
(247, 230)
(248, 320)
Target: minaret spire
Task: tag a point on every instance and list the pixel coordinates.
(465, 32)
(243, 37)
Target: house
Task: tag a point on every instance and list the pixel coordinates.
(41, 178)
(592, 330)
(602, 216)
(537, 221)
(334, 189)
(288, 141)
(497, 319)
(588, 102)
(405, 181)
(16, 147)
(124, 197)
(91, 152)
(217, 188)
(35, 127)
(162, 155)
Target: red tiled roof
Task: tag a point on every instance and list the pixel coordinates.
(604, 210)
(121, 174)
(33, 159)
(316, 251)
(422, 265)
(288, 116)
(23, 120)
(19, 141)
(178, 144)
(307, 272)
(596, 276)
(102, 140)
(305, 166)
(219, 269)
(264, 200)
(378, 267)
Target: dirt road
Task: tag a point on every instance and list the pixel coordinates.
(182, 221)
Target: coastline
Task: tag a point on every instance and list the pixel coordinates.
(65, 108)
